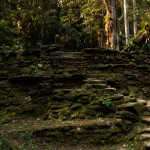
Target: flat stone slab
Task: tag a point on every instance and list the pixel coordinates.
(145, 130)
(145, 137)
(127, 105)
(148, 105)
(141, 101)
(146, 120)
(99, 85)
(69, 54)
(127, 114)
(94, 81)
(118, 97)
(110, 89)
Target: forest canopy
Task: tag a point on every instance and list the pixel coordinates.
(73, 24)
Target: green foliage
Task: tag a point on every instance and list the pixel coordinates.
(28, 24)
(131, 145)
(128, 98)
(105, 101)
(72, 24)
(102, 99)
(131, 46)
(38, 71)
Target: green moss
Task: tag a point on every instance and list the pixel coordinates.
(76, 106)
(75, 115)
(64, 113)
(48, 115)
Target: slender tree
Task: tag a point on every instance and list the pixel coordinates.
(126, 21)
(135, 17)
(111, 25)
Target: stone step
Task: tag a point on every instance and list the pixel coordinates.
(147, 114)
(49, 46)
(148, 105)
(70, 66)
(72, 70)
(141, 101)
(127, 114)
(110, 89)
(66, 85)
(117, 97)
(133, 107)
(71, 62)
(127, 105)
(70, 54)
(100, 86)
(145, 130)
(145, 137)
(94, 81)
(65, 91)
(92, 75)
(146, 120)
(65, 58)
(119, 102)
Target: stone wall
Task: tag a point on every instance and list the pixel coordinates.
(125, 71)
(31, 77)
(94, 83)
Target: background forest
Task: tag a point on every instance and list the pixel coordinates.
(73, 24)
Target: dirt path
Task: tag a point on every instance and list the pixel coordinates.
(18, 133)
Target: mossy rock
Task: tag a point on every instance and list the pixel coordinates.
(54, 105)
(84, 99)
(75, 114)
(76, 106)
(64, 113)
(59, 97)
(96, 107)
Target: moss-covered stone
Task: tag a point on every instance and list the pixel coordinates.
(64, 113)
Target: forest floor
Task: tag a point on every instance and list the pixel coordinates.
(17, 134)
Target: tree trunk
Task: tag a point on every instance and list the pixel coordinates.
(126, 21)
(134, 17)
(111, 25)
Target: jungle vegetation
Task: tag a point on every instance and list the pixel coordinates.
(73, 24)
